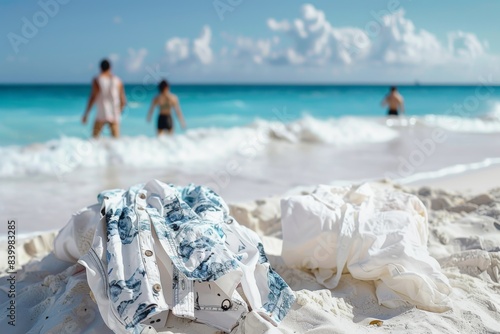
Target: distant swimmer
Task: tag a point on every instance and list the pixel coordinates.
(165, 100)
(109, 95)
(395, 102)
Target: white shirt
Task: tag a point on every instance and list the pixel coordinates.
(108, 99)
(160, 250)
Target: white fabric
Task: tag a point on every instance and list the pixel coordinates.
(374, 232)
(157, 249)
(108, 100)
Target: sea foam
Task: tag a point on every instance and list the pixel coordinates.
(195, 147)
(204, 146)
(489, 122)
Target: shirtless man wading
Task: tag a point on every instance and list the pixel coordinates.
(395, 102)
(109, 95)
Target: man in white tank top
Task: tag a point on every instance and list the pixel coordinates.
(109, 95)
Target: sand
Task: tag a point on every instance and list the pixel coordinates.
(464, 238)
(472, 181)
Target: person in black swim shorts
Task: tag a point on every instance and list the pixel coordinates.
(394, 101)
(165, 100)
(165, 122)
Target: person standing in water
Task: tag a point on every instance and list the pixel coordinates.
(166, 101)
(109, 95)
(395, 102)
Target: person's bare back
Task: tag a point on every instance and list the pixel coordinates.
(394, 101)
(166, 101)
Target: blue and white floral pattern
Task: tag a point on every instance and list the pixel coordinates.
(191, 226)
(124, 293)
(280, 296)
(120, 222)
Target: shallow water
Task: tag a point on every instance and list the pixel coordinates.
(46, 201)
(44, 177)
(38, 113)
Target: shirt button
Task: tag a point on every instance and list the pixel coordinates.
(157, 287)
(226, 304)
(142, 196)
(148, 253)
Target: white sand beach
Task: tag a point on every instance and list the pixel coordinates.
(464, 237)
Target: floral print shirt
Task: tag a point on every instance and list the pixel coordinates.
(160, 249)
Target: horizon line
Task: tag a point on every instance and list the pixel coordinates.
(401, 84)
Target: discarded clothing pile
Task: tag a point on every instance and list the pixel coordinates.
(158, 249)
(373, 232)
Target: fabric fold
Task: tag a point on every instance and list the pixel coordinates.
(160, 249)
(372, 231)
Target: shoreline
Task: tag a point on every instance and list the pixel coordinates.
(473, 180)
(478, 180)
(470, 181)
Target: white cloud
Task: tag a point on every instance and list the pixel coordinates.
(314, 40)
(388, 48)
(135, 59)
(117, 20)
(248, 49)
(183, 50)
(393, 40)
(177, 49)
(201, 46)
(399, 42)
(465, 45)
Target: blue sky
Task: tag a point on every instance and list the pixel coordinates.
(251, 41)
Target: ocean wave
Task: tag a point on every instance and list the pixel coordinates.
(196, 147)
(489, 122)
(494, 113)
(339, 132)
(200, 147)
(485, 124)
(61, 156)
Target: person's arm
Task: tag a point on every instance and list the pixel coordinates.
(92, 97)
(123, 97)
(178, 111)
(152, 108)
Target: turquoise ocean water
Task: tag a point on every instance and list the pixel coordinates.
(41, 130)
(38, 113)
(245, 142)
